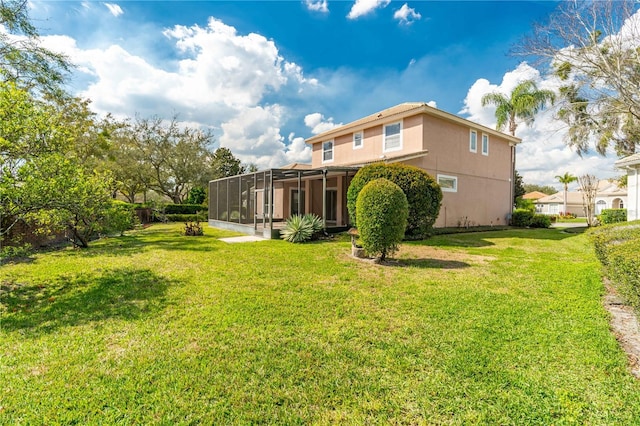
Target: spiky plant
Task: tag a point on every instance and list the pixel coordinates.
(297, 229)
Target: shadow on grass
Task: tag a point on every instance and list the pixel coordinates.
(432, 263)
(479, 239)
(131, 244)
(78, 299)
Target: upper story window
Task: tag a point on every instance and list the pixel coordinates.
(357, 140)
(392, 137)
(485, 144)
(473, 141)
(327, 152)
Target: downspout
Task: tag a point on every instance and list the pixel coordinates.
(255, 202)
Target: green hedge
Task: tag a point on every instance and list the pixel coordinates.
(184, 208)
(618, 249)
(608, 216)
(186, 217)
(422, 191)
(540, 221)
(522, 217)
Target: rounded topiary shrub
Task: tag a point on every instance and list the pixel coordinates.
(422, 191)
(382, 212)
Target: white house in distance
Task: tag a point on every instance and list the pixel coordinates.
(610, 196)
(632, 166)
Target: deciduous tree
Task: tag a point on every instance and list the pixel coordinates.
(593, 47)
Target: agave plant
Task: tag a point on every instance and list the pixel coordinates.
(301, 228)
(297, 229)
(315, 222)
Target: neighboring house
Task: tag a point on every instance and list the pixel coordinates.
(632, 166)
(472, 163)
(609, 196)
(535, 195)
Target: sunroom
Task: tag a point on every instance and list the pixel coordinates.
(259, 203)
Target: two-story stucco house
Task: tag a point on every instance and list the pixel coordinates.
(472, 163)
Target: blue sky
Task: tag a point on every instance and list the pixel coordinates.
(264, 75)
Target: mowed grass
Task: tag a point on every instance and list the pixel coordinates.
(157, 328)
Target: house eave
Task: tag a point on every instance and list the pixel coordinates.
(382, 118)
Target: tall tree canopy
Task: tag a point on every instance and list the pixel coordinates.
(41, 174)
(593, 47)
(23, 60)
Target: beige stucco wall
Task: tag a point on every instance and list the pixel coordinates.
(372, 146)
(484, 181)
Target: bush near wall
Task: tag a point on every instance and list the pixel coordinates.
(617, 247)
(422, 191)
(608, 216)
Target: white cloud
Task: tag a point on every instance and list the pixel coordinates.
(317, 5)
(406, 15)
(220, 81)
(114, 9)
(542, 155)
(364, 7)
(317, 123)
(432, 104)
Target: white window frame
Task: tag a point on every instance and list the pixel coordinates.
(384, 137)
(473, 141)
(361, 134)
(325, 150)
(485, 148)
(455, 183)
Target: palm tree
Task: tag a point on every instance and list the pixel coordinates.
(566, 179)
(523, 104)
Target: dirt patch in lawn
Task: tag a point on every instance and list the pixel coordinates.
(624, 324)
(432, 257)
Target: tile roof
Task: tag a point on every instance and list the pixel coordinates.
(534, 195)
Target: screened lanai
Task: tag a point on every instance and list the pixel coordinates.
(259, 203)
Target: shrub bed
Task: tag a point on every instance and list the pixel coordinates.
(609, 216)
(618, 249)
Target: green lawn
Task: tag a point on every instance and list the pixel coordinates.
(483, 328)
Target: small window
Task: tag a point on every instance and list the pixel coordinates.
(392, 137)
(448, 183)
(357, 140)
(327, 152)
(473, 141)
(485, 144)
